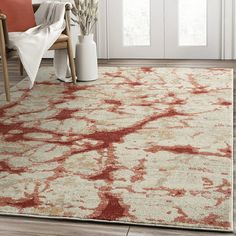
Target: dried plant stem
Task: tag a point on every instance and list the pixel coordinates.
(86, 12)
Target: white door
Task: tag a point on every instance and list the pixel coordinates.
(193, 29)
(135, 28)
(172, 29)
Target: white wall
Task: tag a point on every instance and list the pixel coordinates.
(102, 39)
(229, 29)
(235, 29)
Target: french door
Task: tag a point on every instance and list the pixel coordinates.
(193, 29)
(173, 29)
(135, 28)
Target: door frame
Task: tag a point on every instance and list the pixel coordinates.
(228, 45)
(211, 49)
(228, 50)
(234, 28)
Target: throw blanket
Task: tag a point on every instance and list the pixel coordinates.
(32, 44)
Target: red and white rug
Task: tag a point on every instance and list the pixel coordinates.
(150, 146)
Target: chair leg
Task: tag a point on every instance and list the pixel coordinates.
(6, 77)
(21, 69)
(71, 60)
(4, 64)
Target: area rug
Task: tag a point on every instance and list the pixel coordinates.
(145, 146)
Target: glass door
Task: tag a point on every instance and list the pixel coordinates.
(135, 28)
(193, 29)
(171, 29)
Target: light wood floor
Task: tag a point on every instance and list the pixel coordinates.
(21, 226)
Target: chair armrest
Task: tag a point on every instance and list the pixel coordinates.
(3, 21)
(69, 7)
(3, 17)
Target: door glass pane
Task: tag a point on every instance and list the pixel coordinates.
(136, 22)
(192, 22)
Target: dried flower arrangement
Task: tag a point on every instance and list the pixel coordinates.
(86, 15)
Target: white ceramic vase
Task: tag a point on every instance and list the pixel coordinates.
(86, 58)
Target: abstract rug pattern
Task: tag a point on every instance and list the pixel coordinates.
(150, 146)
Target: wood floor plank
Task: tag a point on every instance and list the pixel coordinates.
(19, 226)
(145, 231)
(14, 72)
(27, 226)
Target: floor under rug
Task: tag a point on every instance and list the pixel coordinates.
(148, 146)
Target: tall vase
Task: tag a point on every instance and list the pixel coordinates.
(86, 58)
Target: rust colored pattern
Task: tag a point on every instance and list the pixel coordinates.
(148, 146)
